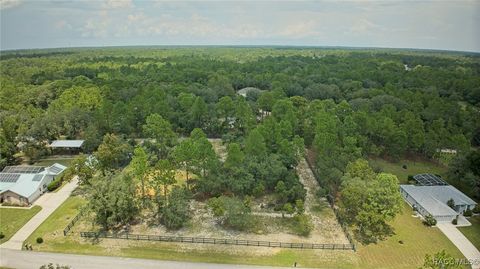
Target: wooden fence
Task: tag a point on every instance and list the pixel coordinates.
(220, 241)
(74, 220)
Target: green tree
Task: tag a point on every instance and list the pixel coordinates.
(83, 168)
(176, 212)
(235, 156)
(184, 156)
(368, 201)
(255, 144)
(158, 128)
(113, 153)
(112, 199)
(139, 165)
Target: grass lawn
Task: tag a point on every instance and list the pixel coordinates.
(413, 168)
(418, 241)
(12, 219)
(52, 227)
(473, 232)
(48, 162)
(417, 238)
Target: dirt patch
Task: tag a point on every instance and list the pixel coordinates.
(219, 148)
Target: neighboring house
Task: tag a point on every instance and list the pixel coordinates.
(22, 185)
(430, 197)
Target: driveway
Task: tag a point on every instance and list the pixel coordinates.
(49, 202)
(31, 259)
(462, 243)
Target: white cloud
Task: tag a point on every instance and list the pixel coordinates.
(62, 24)
(4, 4)
(300, 29)
(118, 4)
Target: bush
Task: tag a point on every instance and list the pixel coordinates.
(217, 206)
(468, 213)
(321, 193)
(54, 184)
(303, 224)
(1, 235)
(476, 209)
(404, 166)
(237, 216)
(39, 240)
(410, 178)
(454, 221)
(430, 220)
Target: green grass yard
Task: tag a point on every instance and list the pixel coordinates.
(50, 161)
(12, 219)
(413, 168)
(473, 232)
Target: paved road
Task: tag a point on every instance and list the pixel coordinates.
(49, 202)
(462, 243)
(31, 259)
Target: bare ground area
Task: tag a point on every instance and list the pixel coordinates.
(219, 148)
(323, 217)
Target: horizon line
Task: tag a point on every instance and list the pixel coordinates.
(245, 46)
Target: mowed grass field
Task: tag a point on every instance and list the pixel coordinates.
(413, 168)
(472, 232)
(418, 240)
(12, 219)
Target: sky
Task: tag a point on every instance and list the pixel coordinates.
(446, 25)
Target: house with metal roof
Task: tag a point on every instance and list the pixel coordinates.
(432, 200)
(22, 185)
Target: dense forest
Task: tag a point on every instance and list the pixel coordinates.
(343, 105)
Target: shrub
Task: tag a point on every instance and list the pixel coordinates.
(303, 224)
(468, 213)
(39, 240)
(54, 184)
(430, 220)
(217, 206)
(476, 209)
(1, 235)
(410, 178)
(404, 166)
(288, 208)
(259, 190)
(321, 193)
(454, 221)
(237, 216)
(451, 203)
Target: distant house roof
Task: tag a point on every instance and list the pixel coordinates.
(67, 143)
(243, 92)
(434, 198)
(24, 183)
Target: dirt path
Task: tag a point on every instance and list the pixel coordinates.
(322, 215)
(310, 183)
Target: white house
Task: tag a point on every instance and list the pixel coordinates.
(432, 200)
(22, 185)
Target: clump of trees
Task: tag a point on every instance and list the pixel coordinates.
(369, 200)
